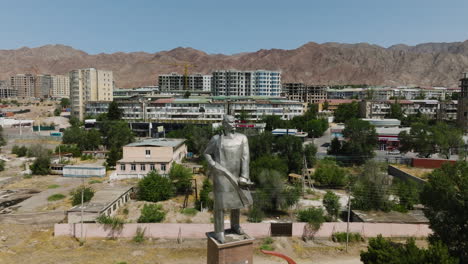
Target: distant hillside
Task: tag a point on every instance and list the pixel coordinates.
(428, 64)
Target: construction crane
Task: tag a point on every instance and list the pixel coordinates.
(186, 66)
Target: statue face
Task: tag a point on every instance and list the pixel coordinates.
(229, 123)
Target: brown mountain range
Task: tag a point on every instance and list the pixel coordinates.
(429, 64)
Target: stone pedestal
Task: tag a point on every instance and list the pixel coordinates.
(238, 249)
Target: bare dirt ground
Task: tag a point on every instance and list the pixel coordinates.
(35, 244)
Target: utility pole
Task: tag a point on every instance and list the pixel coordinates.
(347, 224)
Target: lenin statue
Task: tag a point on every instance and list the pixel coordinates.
(228, 157)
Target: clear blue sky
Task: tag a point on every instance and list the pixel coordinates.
(219, 26)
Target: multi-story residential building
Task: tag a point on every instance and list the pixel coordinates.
(176, 82)
(6, 91)
(89, 85)
(201, 109)
(246, 83)
(156, 154)
(132, 92)
(60, 86)
(442, 110)
(24, 84)
(462, 115)
(304, 93)
(346, 93)
(43, 86)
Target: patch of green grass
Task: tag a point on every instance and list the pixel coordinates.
(27, 176)
(94, 181)
(189, 211)
(140, 235)
(55, 197)
(267, 244)
(53, 186)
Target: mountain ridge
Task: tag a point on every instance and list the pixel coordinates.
(425, 64)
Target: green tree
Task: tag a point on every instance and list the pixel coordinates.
(345, 112)
(155, 188)
(205, 201)
(267, 162)
(272, 122)
(243, 116)
(328, 173)
(74, 121)
(65, 102)
(114, 112)
(335, 147)
(408, 193)
(151, 213)
(182, 178)
(272, 193)
(57, 111)
(331, 202)
(113, 156)
(372, 189)
(290, 149)
(447, 138)
(310, 151)
(261, 145)
(396, 111)
(2, 138)
(117, 134)
(384, 251)
(361, 140)
(93, 140)
(445, 198)
(41, 165)
(325, 105)
(86, 192)
(316, 127)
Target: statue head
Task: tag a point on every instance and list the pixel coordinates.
(229, 123)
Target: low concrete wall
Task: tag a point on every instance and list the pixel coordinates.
(44, 218)
(397, 173)
(430, 163)
(257, 230)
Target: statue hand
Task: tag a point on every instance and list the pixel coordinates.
(245, 182)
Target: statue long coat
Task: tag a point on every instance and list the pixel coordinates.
(232, 154)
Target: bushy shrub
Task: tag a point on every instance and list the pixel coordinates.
(151, 213)
(182, 178)
(205, 201)
(255, 215)
(76, 195)
(111, 221)
(328, 173)
(19, 151)
(41, 165)
(155, 188)
(140, 235)
(313, 216)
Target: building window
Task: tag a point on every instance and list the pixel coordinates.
(163, 167)
(122, 167)
(142, 167)
(133, 167)
(148, 152)
(152, 167)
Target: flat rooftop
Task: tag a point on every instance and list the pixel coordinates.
(411, 217)
(158, 142)
(102, 199)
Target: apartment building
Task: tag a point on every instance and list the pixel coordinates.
(24, 84)
(246, 83)
(433, 109)
(176, 82)
(201, 109)
(60, 86)
(462, 116)
(6, 91)
(301, 92)
(89, 85)
(43, 86)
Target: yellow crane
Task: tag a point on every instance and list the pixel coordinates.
(186, 66)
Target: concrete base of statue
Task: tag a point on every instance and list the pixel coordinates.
(237, 249)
